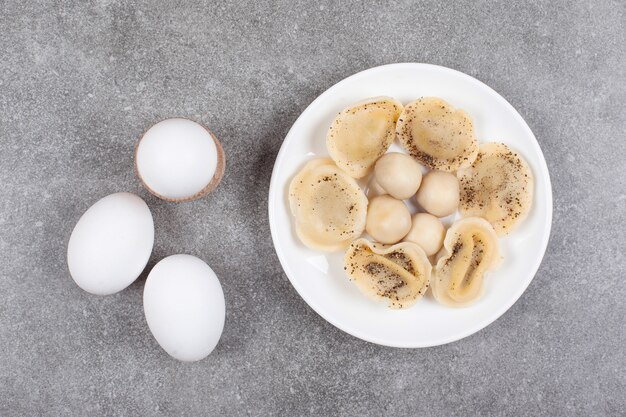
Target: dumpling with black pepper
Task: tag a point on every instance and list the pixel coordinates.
(329, 207)
(362, 133)
(470, 250)
(438, 135)
(398, 274)
(498, 187)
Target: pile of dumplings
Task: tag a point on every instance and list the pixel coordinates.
(392, 255)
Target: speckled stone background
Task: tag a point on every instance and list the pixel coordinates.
(81, 80)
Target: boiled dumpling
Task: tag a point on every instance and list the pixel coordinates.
(398, 274)
(427, 231)
(329, 206)
(362, 133)
(374, 189)
(469, 251)
(439, 193)
(398, 174)
(498, 187)
(437, 135)
(388, 219)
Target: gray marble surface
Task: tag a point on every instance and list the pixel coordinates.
(80, 80)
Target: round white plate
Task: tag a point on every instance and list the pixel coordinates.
(319, 277)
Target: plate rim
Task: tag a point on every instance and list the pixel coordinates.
(547, 185)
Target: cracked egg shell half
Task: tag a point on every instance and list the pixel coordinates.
(470, 250)
(437, 135)
(398, 274)
(498, 187)
(329, 207)
(362, 133)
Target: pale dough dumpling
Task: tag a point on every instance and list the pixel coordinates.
(437, 135)
(374, 189)
(470, 250)
(329, 206)
(399, 274)
(439, 193)
(388, 219)
(362, 133)
(427, 231)
(498, 187)
(398, 174)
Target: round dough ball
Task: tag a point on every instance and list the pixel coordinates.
(388, 219)
(374, 189)
(439, 193)
(428, 232)
(398, 174)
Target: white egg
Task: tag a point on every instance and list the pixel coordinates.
(184, 306)
(179, 160)
(111, 244)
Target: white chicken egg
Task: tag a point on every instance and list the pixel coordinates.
(179, 160)
(184, 306)
(111, 244)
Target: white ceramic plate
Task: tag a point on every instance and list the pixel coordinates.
(319, 278)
